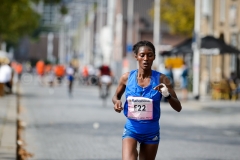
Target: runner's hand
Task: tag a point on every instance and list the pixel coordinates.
(118, 106)
(163, 89)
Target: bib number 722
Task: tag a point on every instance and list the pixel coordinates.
(139, 107)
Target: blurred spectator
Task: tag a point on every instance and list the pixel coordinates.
(50, 74)
(92, 75)
(169, 73)
(18, 70)
(28, 67)
(91, 70)
(225, 88)
(70, 77)
(6, 76)
(184, 82)
(105, 76)
(234, 85)
(40, 68)
(233, 77)
(85, 74)
(105, 70)
(47, 68)
(59, 72)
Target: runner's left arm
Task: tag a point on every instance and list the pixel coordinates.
(173, 100)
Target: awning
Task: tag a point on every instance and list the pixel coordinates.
(209, 45)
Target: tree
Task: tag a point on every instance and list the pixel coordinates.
(17, 19)
(178, 15)
(63, 10)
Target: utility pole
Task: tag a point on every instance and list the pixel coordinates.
(196, 49)
(156, 32)
(61, 49)
(118, 50)
(130, 11)
(110, 24)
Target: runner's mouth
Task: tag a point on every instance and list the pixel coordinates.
(145, 64)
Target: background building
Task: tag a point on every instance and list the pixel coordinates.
(219, 19)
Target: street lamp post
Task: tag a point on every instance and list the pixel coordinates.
(196, 49)
(156, 32)
(61, 45)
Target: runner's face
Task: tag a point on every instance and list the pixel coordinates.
(145, 57)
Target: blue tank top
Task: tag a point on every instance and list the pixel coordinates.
(134, 90)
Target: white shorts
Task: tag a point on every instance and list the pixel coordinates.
(105, 79)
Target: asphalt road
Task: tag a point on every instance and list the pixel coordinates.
(60, 127)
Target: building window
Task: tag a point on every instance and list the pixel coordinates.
(233, 62)
(233, 15)
(207, 7)
(234, 42)
(50, 15)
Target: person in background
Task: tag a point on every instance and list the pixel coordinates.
(233, 77)
(171, 76)
(92, 78)
(28, 67)
(70, 77)
(169, 73)
(59, 71)
(50, 74)
(19, 70)
(6, 76)
(85, 74)
(105, 76)
(40, 68)
(143, 89)
(235, 83)
(184, 82)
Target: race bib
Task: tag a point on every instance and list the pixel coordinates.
(140, 108)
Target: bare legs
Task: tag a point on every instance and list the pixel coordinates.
(184, 94)
(70, 84)
(129, 150)
(148, 151)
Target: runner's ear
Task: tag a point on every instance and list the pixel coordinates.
(135, 55)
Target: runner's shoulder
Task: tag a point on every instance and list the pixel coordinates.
(124, 77)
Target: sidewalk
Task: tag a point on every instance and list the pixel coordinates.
(206, 101)
(8, 127)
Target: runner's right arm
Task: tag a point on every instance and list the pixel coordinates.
(119, 92)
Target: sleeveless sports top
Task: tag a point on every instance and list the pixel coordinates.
(142, 105)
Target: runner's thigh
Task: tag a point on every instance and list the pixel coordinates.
(148, 151)
(129, 149)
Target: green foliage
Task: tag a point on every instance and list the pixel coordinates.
(47, 1)
(178, 14)
(17, 19)
(63, 10)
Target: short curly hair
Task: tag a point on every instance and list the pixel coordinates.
(143, 43)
